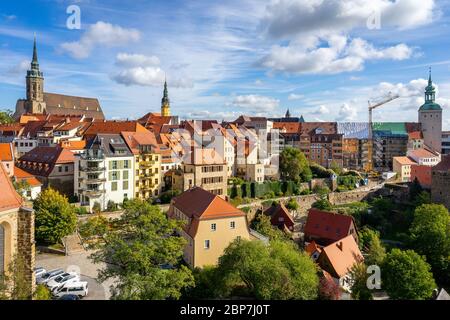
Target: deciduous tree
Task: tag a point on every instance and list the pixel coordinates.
(294, 165)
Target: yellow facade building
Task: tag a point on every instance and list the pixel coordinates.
(211, 225)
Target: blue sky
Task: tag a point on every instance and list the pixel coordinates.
(224, 58)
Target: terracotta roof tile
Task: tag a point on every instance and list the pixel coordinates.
(405, 161)
(342, 255)
(327, 225)
(6, 152)
(10, 199)
(20, 175)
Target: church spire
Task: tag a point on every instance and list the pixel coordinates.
(34, 62)
(430, 90)
(165, 102)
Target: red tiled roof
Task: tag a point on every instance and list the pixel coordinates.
(421, 153)
(313, 247)
(10, 199)
(290, 127)
(45, 155)
(198, 204)
(114, 127)
(135, 139)
(278, 211)
(404, 161)
(342, 255)
(415, 135)
(20, 175)
(327, 127)
(327, 225)
(32, 127)
(6, 153)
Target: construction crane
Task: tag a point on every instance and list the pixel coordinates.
(389, 98)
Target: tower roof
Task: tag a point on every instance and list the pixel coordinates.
(35, 57)
(430, 92)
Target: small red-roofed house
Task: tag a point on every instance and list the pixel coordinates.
(34, 186)
(280, 217)
(327, 227)
(211, 225)
(339, 258)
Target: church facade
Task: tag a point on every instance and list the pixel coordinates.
(39, 102)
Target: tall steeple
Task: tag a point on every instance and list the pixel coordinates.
(288, 114)
(165, 102)
(35, 85)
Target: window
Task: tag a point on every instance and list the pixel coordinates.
(59, 169)
(114, 186)
(125, 175)
(114, 164)
(125, 185)
(66, 168)
(126, 164)
(232, 224)
(213, 227)
(207, 244)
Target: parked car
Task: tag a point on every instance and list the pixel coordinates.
(39, 271)
(78, 288)
(43, 279)
(62, 279)
(69, 297)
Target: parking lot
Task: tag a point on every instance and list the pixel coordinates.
(80, 264)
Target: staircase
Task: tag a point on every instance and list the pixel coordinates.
(72, 244)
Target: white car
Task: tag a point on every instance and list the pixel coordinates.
(77, 288)
(49, 275)
(39, 271)
(62, 279)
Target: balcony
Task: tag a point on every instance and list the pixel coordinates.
(148, 187)
(92, 193)
(92, 180)
(147, 176)
(92, 169)
(92, 155)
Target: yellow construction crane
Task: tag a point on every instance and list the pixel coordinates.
(369, 165)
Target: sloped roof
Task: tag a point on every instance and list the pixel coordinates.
(279, 209)
(6, 152)
(21, 175)
(327, 225)
(50, 155)
(135, 139)
(313, 247)
(327, 127)
(343, 255)
(422, 153)
(114, 127)
(32, 127)
(10, 199)
(289, 127)
(60, 104)
(201, 204)
(405, 161)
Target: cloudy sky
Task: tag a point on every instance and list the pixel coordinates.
(321, 59)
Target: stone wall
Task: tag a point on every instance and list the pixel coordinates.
(440, 188)
(26, 244)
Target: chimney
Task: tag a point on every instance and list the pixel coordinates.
(340, 245)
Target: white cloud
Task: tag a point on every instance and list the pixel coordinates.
(136, 60)
(287, 18)
(323, 110)
(144, 70)
(340, 54)
(256, 103)
(347, 113)
(143, 76)
(294, 96)
(100, 34)
(19, 68)
(316, 34)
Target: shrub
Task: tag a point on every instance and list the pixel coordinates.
(96, 208)
(81, 211)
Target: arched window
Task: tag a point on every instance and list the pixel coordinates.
(2, 249)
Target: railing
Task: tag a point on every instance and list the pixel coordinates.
(92, 193)
(92, 169)
(92, 155)
(92, 180)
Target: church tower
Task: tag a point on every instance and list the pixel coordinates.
(430, 118)
(165, 103)
(35, 86)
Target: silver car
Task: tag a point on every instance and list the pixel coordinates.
(62, 279)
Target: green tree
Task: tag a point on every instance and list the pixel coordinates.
(294, 166)
(55, 217)
(430, 236)
(275, 271)
(42, 293)
(96, 208)
(292, 204)
(97, 225)
(6, 117)
(335, 167)
(370, 243)
(262, 224)
(15, 285)
(143, 254)
(206, 280)
(406, 275)
(359, 277)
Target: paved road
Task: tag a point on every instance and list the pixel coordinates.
(82, 265)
